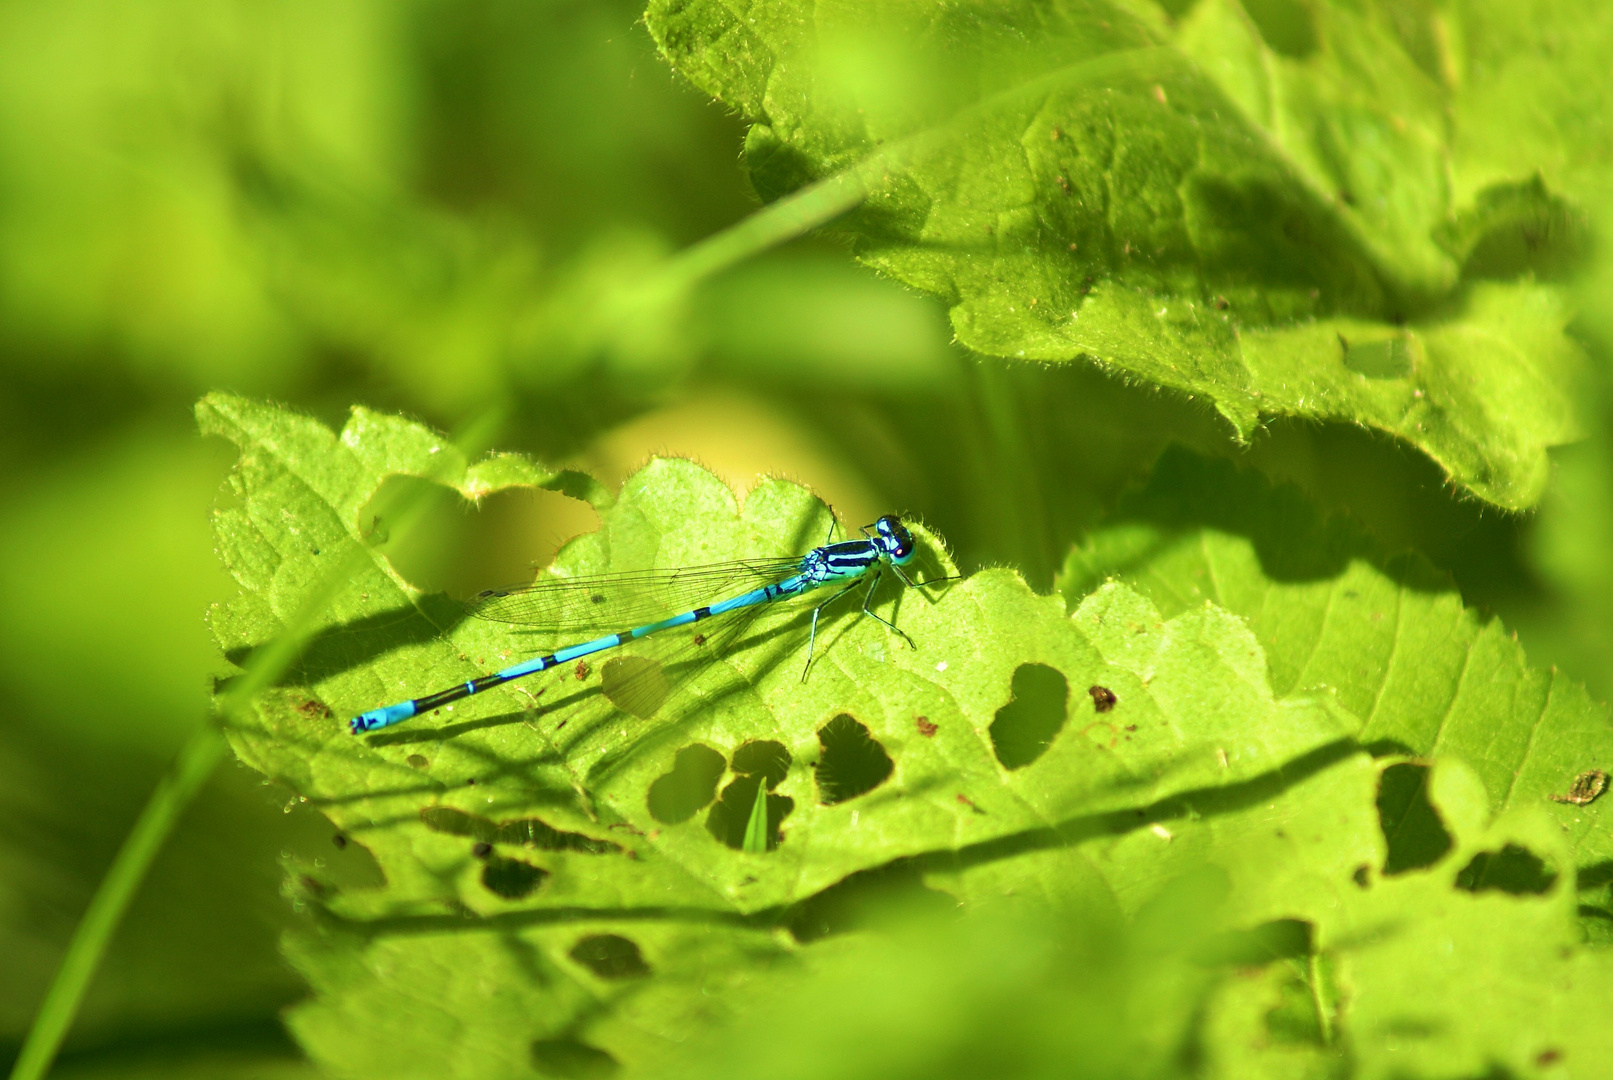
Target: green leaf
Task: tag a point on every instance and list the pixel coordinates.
(1495, 978)
(501, 757)
(1418, 974)
(1529, 92)
(1183, 205)
(570, 888)
(939, 998)
(541, 799)
(1322, 970)
(1388, 636)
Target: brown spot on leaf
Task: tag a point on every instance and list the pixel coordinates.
(1587, 787)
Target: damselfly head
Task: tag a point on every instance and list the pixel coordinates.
(898, 541)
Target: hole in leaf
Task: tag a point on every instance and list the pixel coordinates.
(765, 757)
(731, 814)
(528, 832)
(1514, 869)
(512, 878)
(572, 1060)
(635, 684)
(1411, 827)
(535, 833)
(1037, 708)
(680, 794)
(445, 819)
(459, 547)
(852, 763)
(610, 956)
(1595, 876)
(1384, 358)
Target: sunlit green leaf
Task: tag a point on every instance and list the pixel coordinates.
(1267, 225)
(1389, 636)
(1010, 719)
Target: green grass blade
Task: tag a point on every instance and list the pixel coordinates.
(756, 827)
(189, 772)
(173, 794)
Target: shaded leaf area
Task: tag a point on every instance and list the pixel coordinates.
(1187, 204)
(1412, 831)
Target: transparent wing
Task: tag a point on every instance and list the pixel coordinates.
(644, 679)
(640, 677)
(603, 710)
(625, 600)
(639, 681)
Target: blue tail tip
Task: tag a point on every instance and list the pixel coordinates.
(380, 718)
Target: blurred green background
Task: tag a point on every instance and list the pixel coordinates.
(401, 205)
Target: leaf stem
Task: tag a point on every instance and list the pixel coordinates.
(173, 794)
(797, 213)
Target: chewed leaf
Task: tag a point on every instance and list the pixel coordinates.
(1188, 205)
(1389, 637)
(584, 746)
(707, 778)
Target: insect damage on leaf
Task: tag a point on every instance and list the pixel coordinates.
(563, 801)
